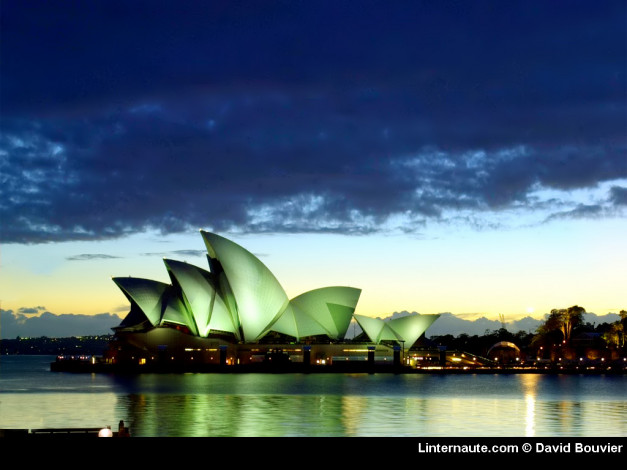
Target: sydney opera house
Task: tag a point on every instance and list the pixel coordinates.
(237, 313)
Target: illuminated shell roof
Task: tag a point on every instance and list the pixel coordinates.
(238, 295)
(405, 329)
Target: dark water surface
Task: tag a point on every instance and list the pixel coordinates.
(238, 405)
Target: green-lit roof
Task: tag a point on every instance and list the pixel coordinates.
(406, 329)
(239, 295)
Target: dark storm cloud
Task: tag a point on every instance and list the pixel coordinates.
(619, 196)
(118, 117)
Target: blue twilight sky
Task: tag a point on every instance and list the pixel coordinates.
(444, 156)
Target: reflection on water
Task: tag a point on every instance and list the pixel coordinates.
(54, 410)
(332, 415)
(374, 405)
(530, 384)
(316, 404)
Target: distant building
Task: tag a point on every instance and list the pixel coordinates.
(237, 312)
(504, 352)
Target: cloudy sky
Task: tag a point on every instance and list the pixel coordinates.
(450, 156)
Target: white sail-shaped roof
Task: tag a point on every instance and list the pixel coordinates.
(331, 307)
(405, 329)
(371, 326)
(325, 311)
(296, 323)
(196, 290)
(150, 296)
(259, 297)
(411, 327)
(224, 316)
(240, 296)
(207, 309)
(176, 313)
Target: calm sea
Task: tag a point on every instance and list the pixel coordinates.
(356, 405)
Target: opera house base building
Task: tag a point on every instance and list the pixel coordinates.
(235, 316)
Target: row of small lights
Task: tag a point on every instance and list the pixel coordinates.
(324, 361)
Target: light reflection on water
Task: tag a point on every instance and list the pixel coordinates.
(313, 405)
(332, 415)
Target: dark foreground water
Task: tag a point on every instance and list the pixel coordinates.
(237, 405)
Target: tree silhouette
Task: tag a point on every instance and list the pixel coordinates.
(564, 320)
(616, 333)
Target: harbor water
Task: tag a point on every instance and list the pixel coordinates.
(313, 405)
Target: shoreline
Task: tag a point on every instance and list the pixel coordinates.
(359, 368)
